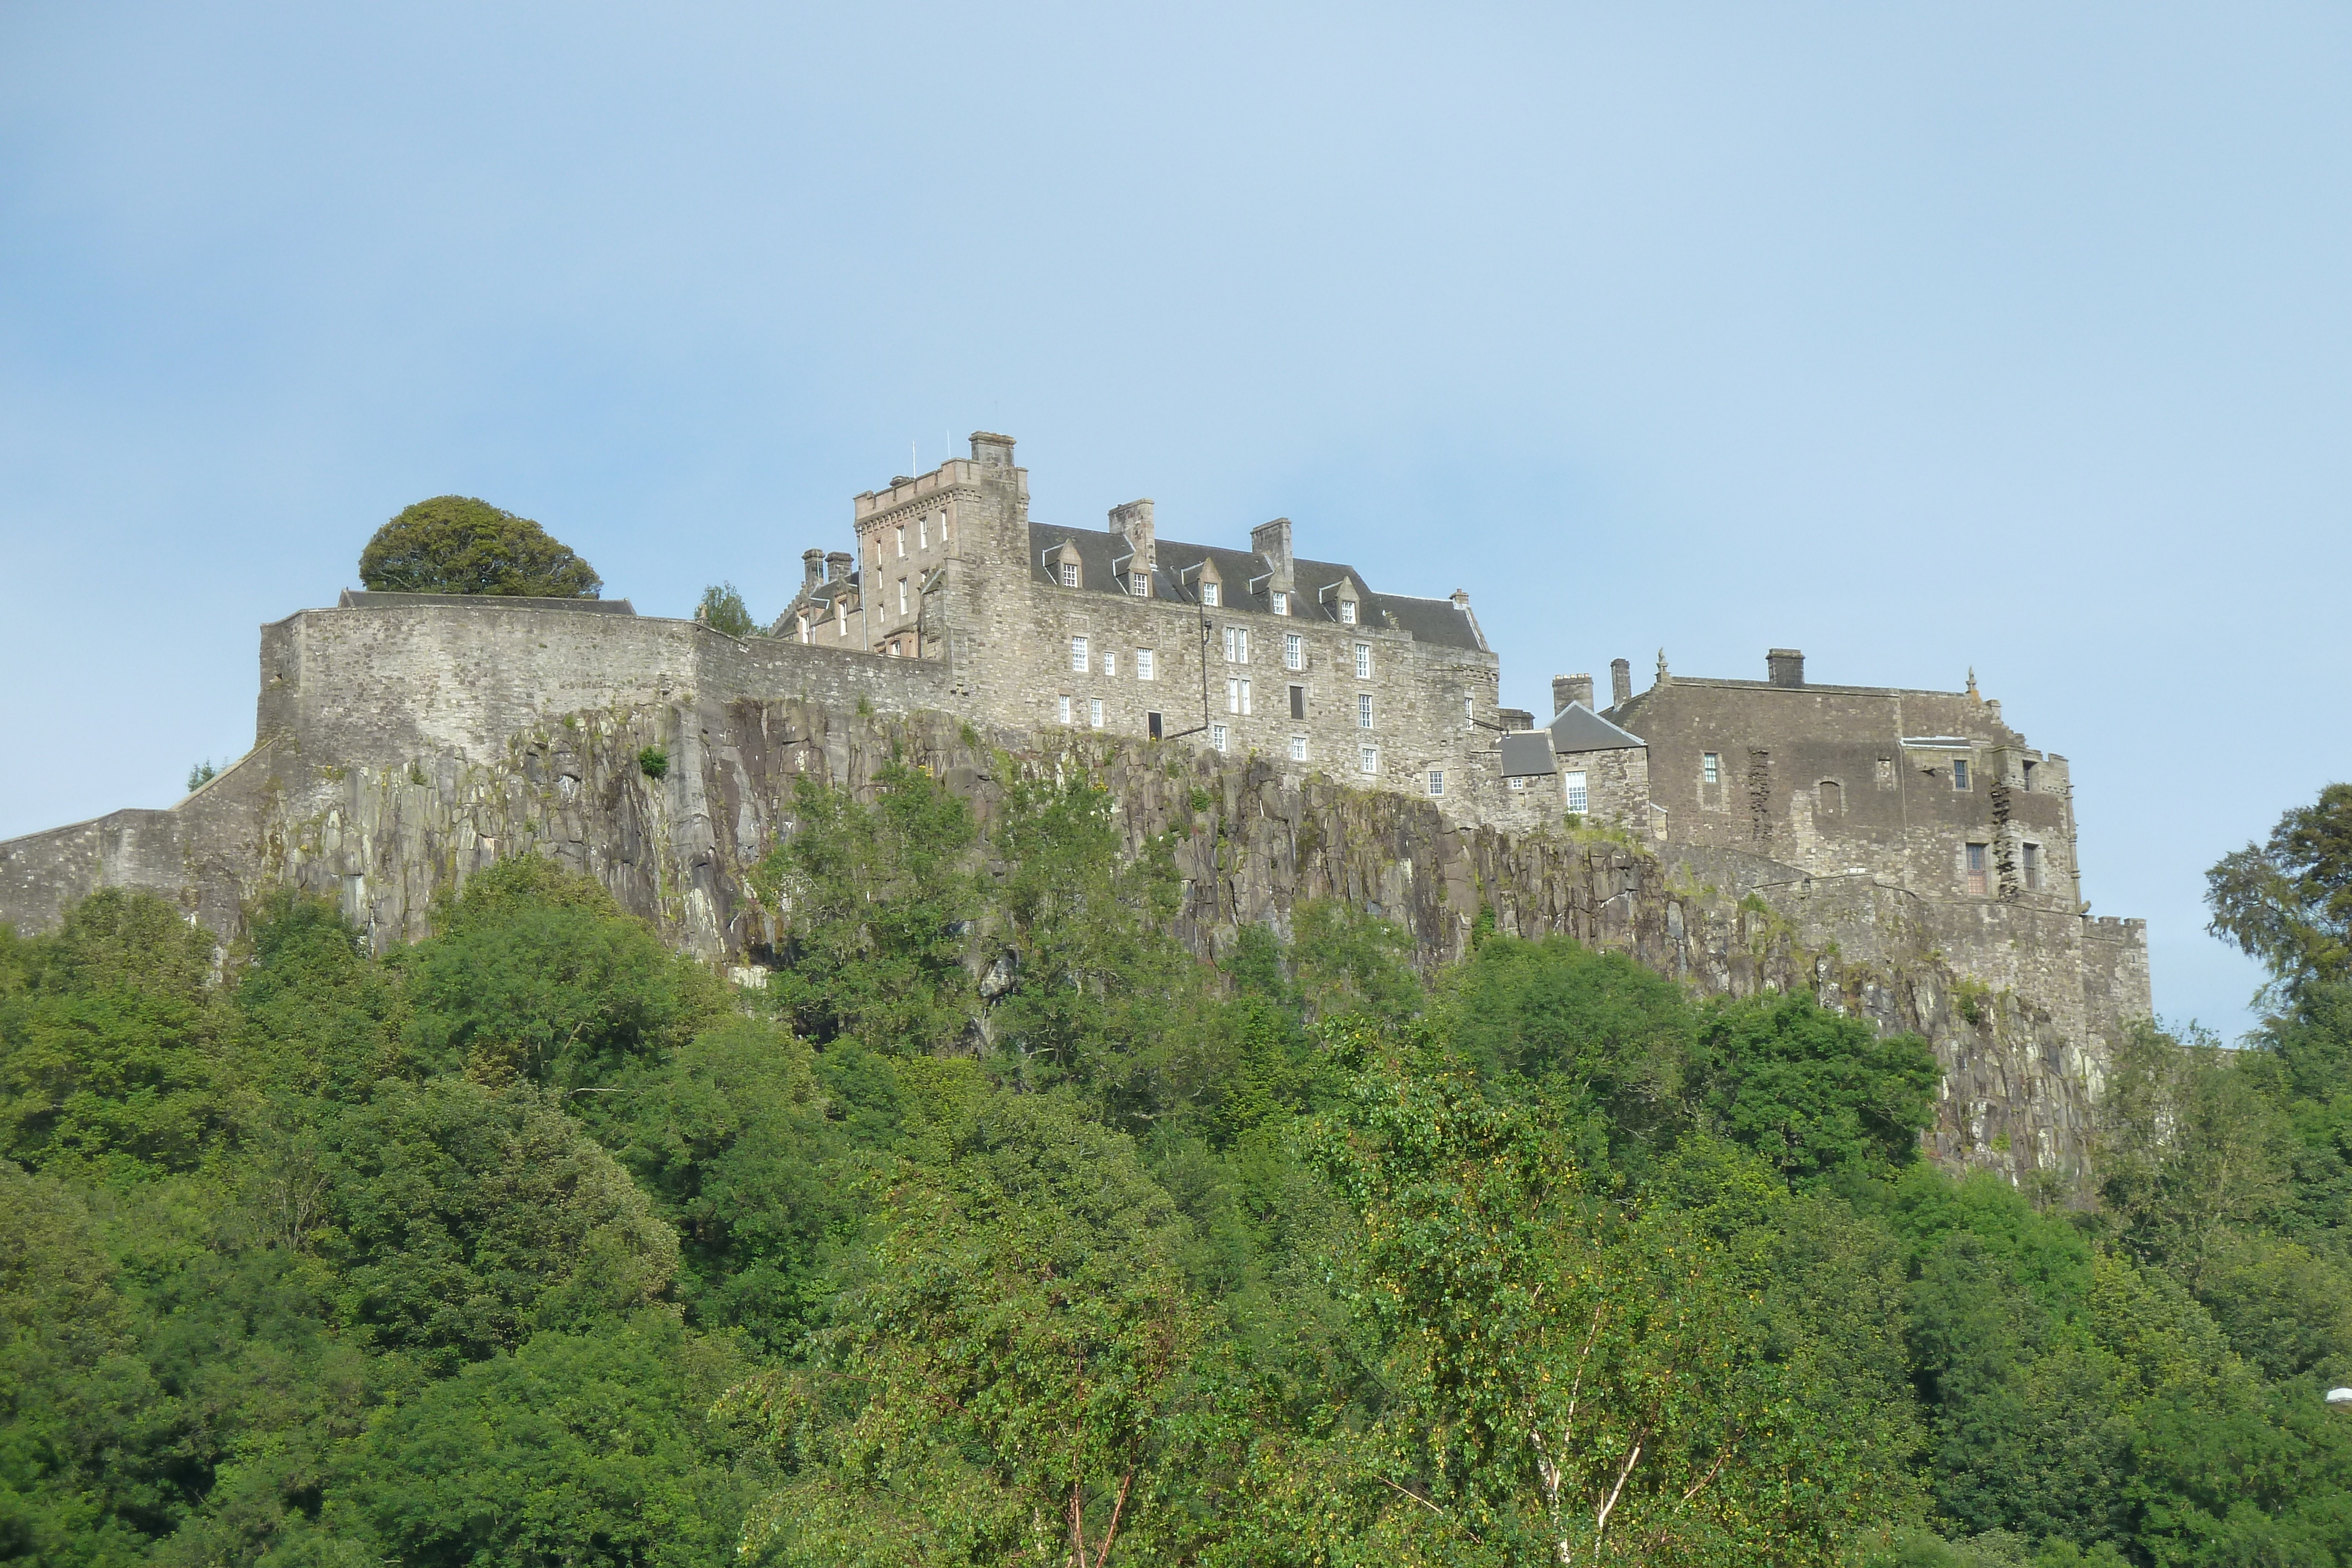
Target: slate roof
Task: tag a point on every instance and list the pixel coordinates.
(1244, 574)
(1526, 753)
(1577, 728)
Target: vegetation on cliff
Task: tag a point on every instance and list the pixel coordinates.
(456, 544)
(996, 1230)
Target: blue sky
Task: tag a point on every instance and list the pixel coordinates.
(2011, 337)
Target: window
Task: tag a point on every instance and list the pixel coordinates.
(1140, 584)
(1368, 759)
(1469, 708)
(1110, 662)
(1209, 595)
(1976, 864)
(2031, 856)
(901, 532)
(841, 616)
(1066, 708)
(1298, 702)
(1299, 749)
(1363, 710)
(2025, 780)
(1960, 772)
(1294, 651)
(1151, 725)
(1236, 644)
(1517, 782)
(1830, 794)
(1347, 613)
(1710, 767)
(1575, 782)
(1143, 664)
(804, 631)
(923, 530)
(1363, 660)
(1093, 713)
(1437, 780)
(893, 648)
(1237, 695)
(1077, 653)
(1217, 736)
(1281, 603)
(902, 596)
(1070, 574)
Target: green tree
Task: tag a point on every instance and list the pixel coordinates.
(456, 544)
(2288, 902)
(1812, 1090)
(881, 901)
(1001, 1389)
(721, 609)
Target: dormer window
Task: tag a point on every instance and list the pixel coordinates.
(1140, 584)
(1208, 595)
(1281, 603)
(1347, 613)
(1070, 574)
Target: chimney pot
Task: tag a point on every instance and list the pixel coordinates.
(1785, 666)
(1567, 689)
(1621, 681)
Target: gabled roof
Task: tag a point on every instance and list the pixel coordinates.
(1577, 728)
(1243, 573)
(1526, 753)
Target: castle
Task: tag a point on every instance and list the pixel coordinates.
(1905, 849)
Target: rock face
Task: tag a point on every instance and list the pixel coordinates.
(2022, 1005)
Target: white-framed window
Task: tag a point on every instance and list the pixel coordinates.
(1236, 644)
(1066, 708)
(1281, 603)
(1710, 767)
(1575, 782)
(1368, 759)
(841, 618)
(1140, 584)
(1144, 663)
(1093, 713)
(1110, 662)
(1294, 651)
(1070, 574)
(1217, 736)
(804, 631)
(1518, 782)
(1347, 613)
(1437, 780)
(893, 649)
(901, 532)
(1469, 708)
(1208, 595)
(923, 531)
(902, 596)
(1299, 749)
(1077, 653)
(1363, 710)
(1237, 694)
(1363, 660)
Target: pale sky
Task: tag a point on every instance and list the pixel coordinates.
(2011, 337)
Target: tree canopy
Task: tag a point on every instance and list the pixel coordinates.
(456, 544)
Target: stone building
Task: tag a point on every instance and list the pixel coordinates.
(1929, 791)
(1258, 651)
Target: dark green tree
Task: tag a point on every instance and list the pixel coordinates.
(456, 544)
(1812, 1090)
(2288, 902)
(722, 609)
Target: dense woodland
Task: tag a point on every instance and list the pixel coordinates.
(997, 1229)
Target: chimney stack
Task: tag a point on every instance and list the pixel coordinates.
(1132, 522)
(811, 570)
(1620, 681)
(1785, 666)
(1271, 540)
(1567, 689)
(837, 564)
